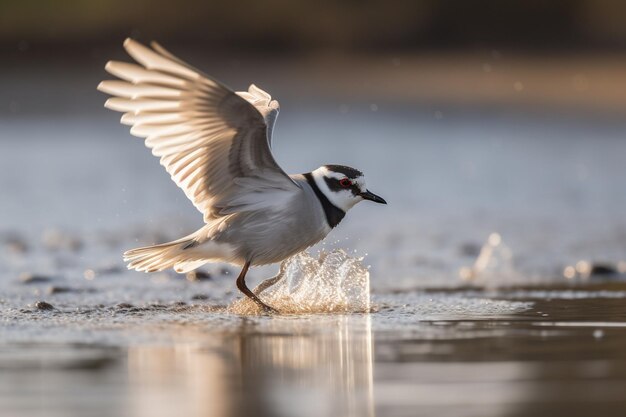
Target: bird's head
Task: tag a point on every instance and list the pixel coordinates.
(343, 186)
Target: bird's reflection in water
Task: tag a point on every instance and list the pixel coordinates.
(313, 366)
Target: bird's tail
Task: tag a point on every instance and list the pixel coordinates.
(167, 255)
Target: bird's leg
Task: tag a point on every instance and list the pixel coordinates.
(241, 284)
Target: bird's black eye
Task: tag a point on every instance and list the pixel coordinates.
(345, 183)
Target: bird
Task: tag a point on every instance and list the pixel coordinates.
(215, 144)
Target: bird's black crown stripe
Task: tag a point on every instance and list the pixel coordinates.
(347, 171)
(333, 213)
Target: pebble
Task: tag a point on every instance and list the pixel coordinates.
(470, 249)
(199, 297)
(198, 276)
(594, 270)
(28, 278)
(16, 245)
(56, 240)
(91, 274)
(602, 269)
(110, 270)
(122, 306)
(42, 305)
(59, 290)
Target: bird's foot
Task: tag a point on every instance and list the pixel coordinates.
(268, 309)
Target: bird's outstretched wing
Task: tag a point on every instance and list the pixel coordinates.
(214, 143)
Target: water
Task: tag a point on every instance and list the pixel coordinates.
(521, 335)
(458, 353)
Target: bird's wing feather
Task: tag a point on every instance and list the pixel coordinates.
(214, 143)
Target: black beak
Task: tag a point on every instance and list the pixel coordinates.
(368, 195)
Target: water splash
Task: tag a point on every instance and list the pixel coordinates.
(334, 282)
(493, 266)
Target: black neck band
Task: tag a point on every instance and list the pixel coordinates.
(333, 213)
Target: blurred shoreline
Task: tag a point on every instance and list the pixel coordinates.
(586, 85)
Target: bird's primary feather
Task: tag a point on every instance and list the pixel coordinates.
(214, 143)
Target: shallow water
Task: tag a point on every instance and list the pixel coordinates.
(113, 343)
(451, 353)
(515, 338)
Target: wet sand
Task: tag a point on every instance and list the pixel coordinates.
(508, 353)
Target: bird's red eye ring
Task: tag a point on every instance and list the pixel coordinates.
(345, 183)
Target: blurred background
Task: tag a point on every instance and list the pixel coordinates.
(558, 53)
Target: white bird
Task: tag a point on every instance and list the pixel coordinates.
(215, 144)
